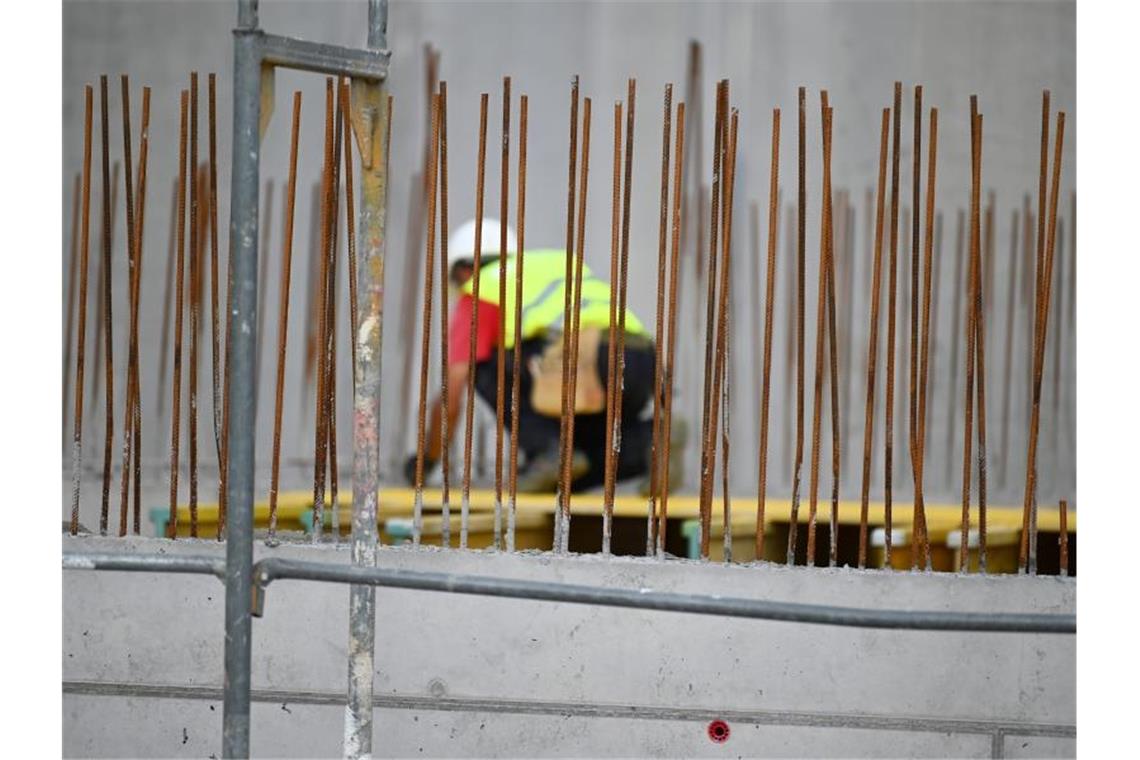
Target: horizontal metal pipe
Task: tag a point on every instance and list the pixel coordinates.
(269, 570)
(322, 58)
(145, 563)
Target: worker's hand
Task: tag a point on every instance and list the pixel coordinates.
(410, 468)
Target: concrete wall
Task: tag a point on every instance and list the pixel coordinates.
(1006, 52)
(467, 676)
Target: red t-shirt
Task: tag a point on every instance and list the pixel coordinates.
(459, 331)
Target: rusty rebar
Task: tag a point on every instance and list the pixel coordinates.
(72, 259)
(888, 436)
(329, 404)
(175, 406)
(980, 367)
(659, 334)
(283, 314)
(769, 314)
(469, 424)
(1028, 556)
(833, 354)
(971, 330)
(425, 329)
(674, 262)
(873, 342)
(611, 343)
(501, 349)
(710, 326)
(100, 307)
(81, 339)
(1063, 538)
(919, 526)
(1058, 334)
(327, 190)
(801, 241)
(128, 402)
(924, 365)
(566, 446)
(195, 295)
(820, 334)
(576, 305)
(516, 363)
(724, 342)
(109, 426)
(445, 404)
(215, 358)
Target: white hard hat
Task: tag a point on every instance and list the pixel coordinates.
(461, 243)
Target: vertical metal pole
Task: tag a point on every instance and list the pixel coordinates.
(370, 106)
(243, 338)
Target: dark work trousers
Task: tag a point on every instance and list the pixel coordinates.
(539, 434)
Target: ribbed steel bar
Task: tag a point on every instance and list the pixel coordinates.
(971, 332)
(132, 269)
(425, 321)
(659, 334)
(331, 308)
(469, 419)
(674, 266)
(1028, 558)
(725, 343)
(108, 363)
(215, 358)
(501, 363)
(100, 306)
(516, 364)
(710, 325)
(72, 275)
(167, 301)
(873, 342)
(611, 342)
(136, 405)
(924, 363)
(980, 367)
(566, 446)
(81, 337)
(328, 189)
(833, 338)
(350, 212)
(769, 314)
(801, 275)
(892, 293)
(918, 519)
(283, 317)
(820, 333)
(444, 393)
(195, 296)
(179, 269)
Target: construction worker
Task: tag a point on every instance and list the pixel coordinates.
(544, 288)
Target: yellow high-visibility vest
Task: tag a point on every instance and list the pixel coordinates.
(544, 294)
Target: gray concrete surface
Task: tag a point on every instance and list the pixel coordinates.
(1006, 52)
(461, 676)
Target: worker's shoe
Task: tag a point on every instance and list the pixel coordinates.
(541, 473)
(677, 438)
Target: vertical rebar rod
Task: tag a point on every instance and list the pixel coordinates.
(576, 305)
(425, 322)
(566, 446)
(659, 334)
(833, 353)
(72, 275)
(801, 242)
(924, 365)
(350, 213)
(516, 363)
(888, 436)
(820, 335)
(180, 268)
(167, 301)
(136, 406)
(919, 525)
(674, 265)
(81, 338)
(108, 364)
(215, 358)
(500, 365)
(980, 309)
(611, 343)
(132, 271)
(469, 419)
(100, 308)
(1028, 558)
(1058, 334)
(444, 400)
(769, 313)
(329, 411)
(710, 325)
(724, 342)
(1063, 539)
(195, 294)
(971, 333)
(1007, 369)
(328, 188)
(873, 341)
(283, 318)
